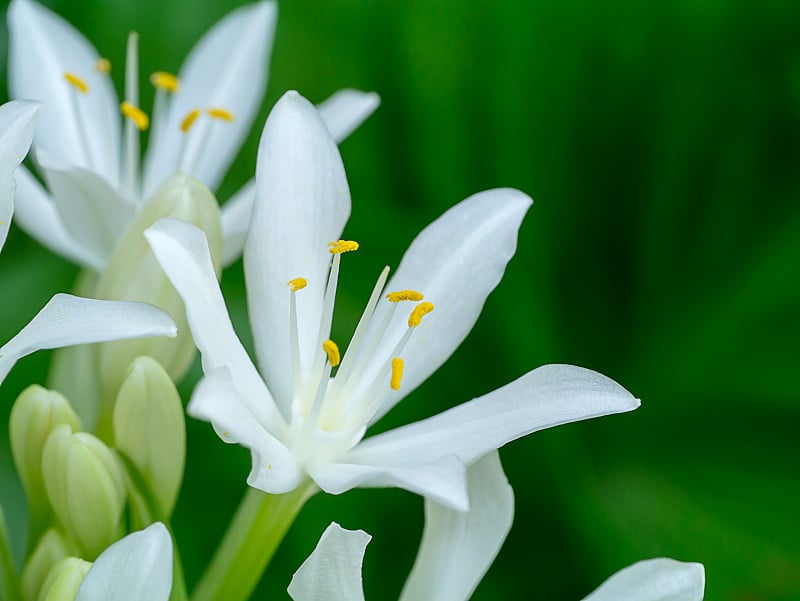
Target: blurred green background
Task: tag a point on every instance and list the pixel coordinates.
(660, 142)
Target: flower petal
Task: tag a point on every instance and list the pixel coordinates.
(659, 579)
(66, 320)
(226, 69)
(16, 133)
(302, 203)
(345, 110)
(545, 397)
(458, 547)
(333, 571)
(182, 251)
(135, 568)
(43, 47)
(235, 215)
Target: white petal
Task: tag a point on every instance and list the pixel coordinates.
(226, 69)
(545, 397)
(66, 320)
(333, 571)
(235, 215)
(302, 203)
(458, 547)
(455, 262)
(136, 568)
(443, 479)
(182, 251)
(16, 132)
(43, 47)
(346, 110)
(215, 399)
(659, 579)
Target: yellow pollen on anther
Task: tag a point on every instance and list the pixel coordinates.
(77, 82)
(216, 112)
(189, 120)
(135, 114)
(297, 284)
(404, 295)
(397, 373)
(420, 311)
(330, 348)
(102, 65)
(342, 246)
(165, 81)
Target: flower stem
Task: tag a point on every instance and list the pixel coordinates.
(9, 584)
(260, 523)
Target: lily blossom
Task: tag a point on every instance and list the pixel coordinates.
(298, 420)
(660, 579)
(16, 133)
(87, 146)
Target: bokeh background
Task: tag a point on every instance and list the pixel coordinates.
(660, 143)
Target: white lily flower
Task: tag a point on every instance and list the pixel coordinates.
(299, 421)
(87, 143)
(660, 579)
(135, 568)
(16, 133)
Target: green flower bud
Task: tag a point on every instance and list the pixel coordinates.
(86, 487)
(50, 549)
(64, 580)
(150, 431)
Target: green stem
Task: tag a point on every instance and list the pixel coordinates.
(260, 523)
(9, 584)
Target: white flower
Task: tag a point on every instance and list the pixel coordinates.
(660, 579)
(91, 161)
(298, 420)
(16, 132)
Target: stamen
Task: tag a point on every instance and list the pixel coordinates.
(297, 284)
(397, 373)
(330, 348)
(189, 120)
(165, 81)
(77, 82)
(342, 246)
(404, 295)
(135, 114)
(420, 311)
(103, 65)
(220, 113)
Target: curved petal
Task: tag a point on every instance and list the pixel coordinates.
(67, 320)
(16, 133)
(226, 69)
(302, 203)
(346, 109)
(182, 251)
(659, 579)
(136, 568)
(545, 397)
(458, 547)
(43, 47)
(442, 480)
(333, 571)
(235, 215)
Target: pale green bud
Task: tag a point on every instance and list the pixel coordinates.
(86, 487)
(150, 431)
(64, 580)
(50, 550)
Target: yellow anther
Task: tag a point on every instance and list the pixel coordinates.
(404, 295)
(165, 81)
(297, 284)
(216, 112)
(420, 311)
(330, 348)
(342, 246)
(102, 65)
(189, 120)
(397, 373)
(77, 82)
(135, 114)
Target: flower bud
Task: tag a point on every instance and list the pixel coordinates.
(50, 549)
(150, 431)
(86, 487)
(64, 580)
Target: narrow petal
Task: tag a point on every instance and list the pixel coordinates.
(226, 69)
(182, 251)
(135, 568)
(68, 320)
(235, 215)
(346, 110)
(333, 571)
(43, 47)
(442, 480)
(659, 579)
(458, 547)
(16, 133)
(545, 397)
(302, 203)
